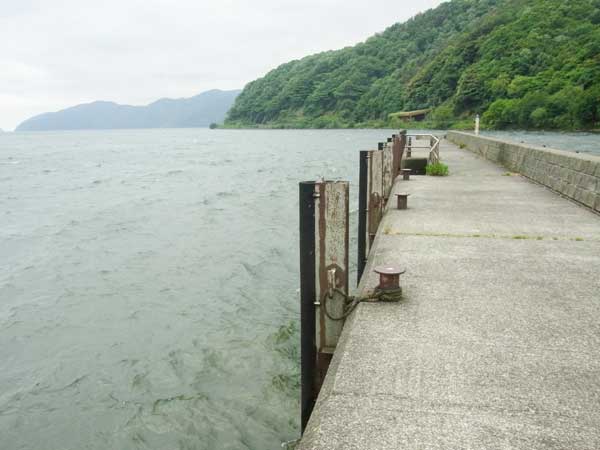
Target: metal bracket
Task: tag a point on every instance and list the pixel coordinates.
(330, 282)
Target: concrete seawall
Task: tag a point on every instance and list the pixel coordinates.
(573, 175)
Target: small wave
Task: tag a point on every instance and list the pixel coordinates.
(223, 194)
(48, 390)
(203, 202)
(251, 270)
(275, 252)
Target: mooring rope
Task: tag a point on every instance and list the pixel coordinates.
(387, 295)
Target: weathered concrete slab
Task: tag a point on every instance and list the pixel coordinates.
(574, 175)
(496, 344)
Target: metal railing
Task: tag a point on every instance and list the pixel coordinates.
(433, 147)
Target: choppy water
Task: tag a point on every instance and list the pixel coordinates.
(148, 285)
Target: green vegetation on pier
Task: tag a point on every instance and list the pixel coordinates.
(519, 63)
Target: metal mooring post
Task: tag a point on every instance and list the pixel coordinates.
(402, 200)
(324, 225)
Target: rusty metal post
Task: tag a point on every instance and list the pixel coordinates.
(402, 200)
(308, 295)
(409, 149)
(363, 180)
(324, 225)
(406, 174)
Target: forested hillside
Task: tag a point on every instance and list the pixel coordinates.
(520, 63)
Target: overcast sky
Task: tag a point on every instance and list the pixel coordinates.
(59, 53)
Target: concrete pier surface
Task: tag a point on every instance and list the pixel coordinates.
(496, 344)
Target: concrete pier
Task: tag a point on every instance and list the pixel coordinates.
(496, 344)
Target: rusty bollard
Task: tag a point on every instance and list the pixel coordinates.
(409, 148)
(389, 277)
(406, 174)
(402, 200)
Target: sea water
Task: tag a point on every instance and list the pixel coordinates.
(149, 284)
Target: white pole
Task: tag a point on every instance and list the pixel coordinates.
(477, 124)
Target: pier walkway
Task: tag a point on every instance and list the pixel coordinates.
(496, 344)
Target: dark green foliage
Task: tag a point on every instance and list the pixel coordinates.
(519, 63)
(437, 170)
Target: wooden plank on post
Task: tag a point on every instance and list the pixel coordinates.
(395, 156)
(403, 144)
(331, 267)
(387, 178)
(375, 198)
(401, 147)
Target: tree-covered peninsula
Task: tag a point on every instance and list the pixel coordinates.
(518, 63)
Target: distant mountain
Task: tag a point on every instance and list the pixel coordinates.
(199, 111)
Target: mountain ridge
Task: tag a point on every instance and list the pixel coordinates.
(197, 111)
(518, 63)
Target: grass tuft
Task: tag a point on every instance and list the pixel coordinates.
(437, 170)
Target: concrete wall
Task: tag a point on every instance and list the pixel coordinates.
(574, 175)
